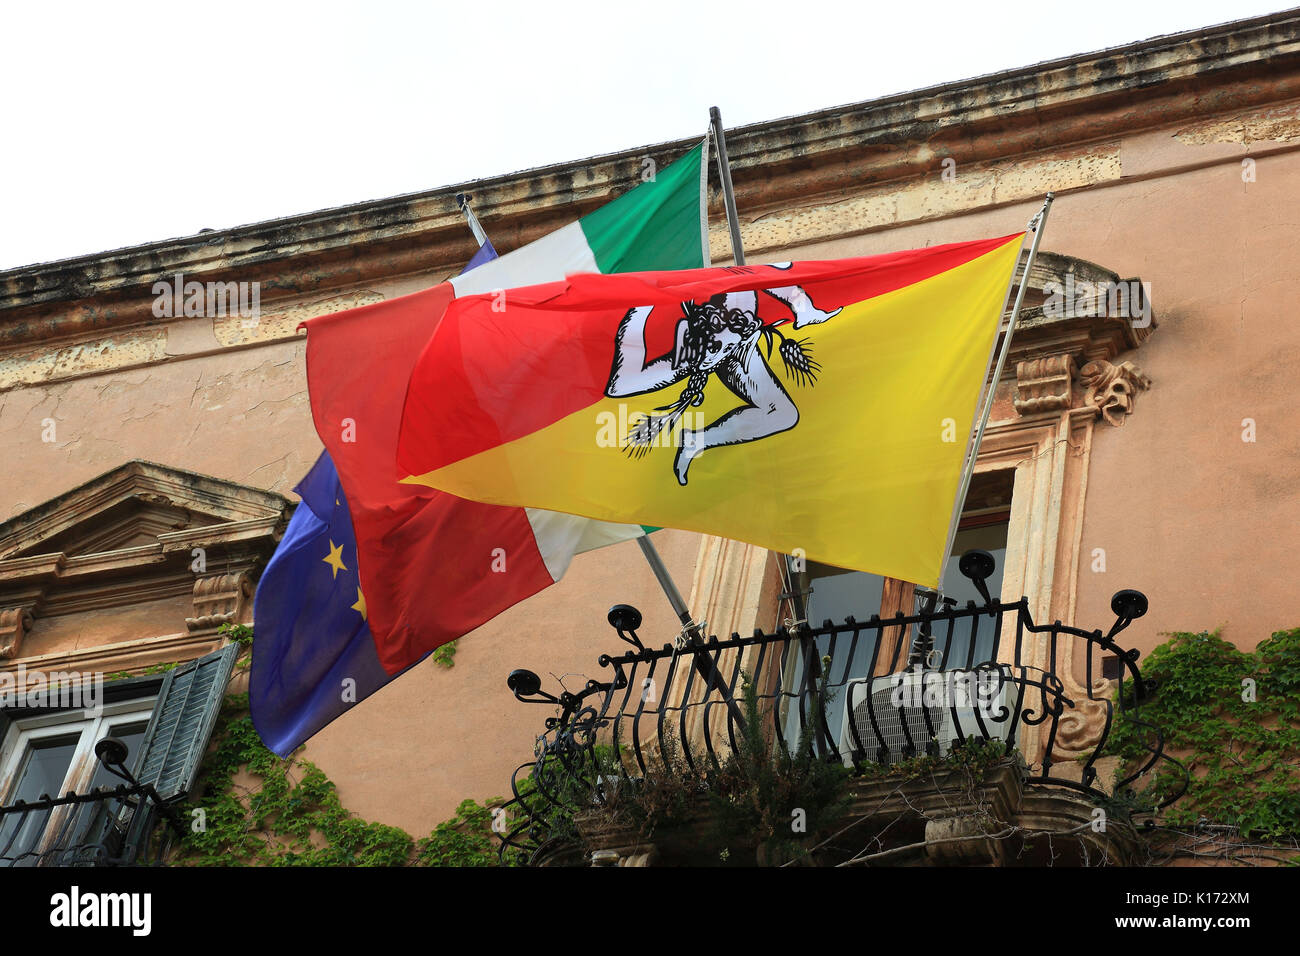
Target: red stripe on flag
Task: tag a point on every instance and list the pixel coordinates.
(426, 558)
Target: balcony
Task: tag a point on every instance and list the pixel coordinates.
(951, 735)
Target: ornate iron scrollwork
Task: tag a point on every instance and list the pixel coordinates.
(936, 695)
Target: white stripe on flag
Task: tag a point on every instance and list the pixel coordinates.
(548, 259)
(561, 536)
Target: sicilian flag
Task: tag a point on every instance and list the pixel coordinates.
(423, 567)
(818, 408)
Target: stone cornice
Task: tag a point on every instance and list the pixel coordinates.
(1076, 330)
(817, 156)
(132, 656)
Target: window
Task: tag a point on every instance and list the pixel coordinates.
(54, 754)
(164, 721)
(833, 593)
(988, 533)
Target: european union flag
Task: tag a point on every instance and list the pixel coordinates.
(486, 253)
(313, 653)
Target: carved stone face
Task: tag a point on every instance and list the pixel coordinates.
(1112, 389)
(1115, 401)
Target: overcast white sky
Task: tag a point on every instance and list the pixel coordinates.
(129, 122)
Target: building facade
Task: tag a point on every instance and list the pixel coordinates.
(1144, 433)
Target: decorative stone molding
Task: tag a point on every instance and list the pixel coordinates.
(1086, 331)
(15, 622)
(138, 503)
(219, 599)
(1112, 389)
(1079, 729)
(133, 657)
(1043, 384)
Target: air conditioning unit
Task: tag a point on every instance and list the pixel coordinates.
(982, 709)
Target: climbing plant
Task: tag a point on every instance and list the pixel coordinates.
(258, 809)
(1232, 718)
(290, 814)
(443, 654)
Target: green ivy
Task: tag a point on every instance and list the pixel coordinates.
(240, 634)
(1243, 754)
(463, 840)
(301, 822)
(443, 654)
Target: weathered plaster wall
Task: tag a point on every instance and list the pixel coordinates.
(241, 415)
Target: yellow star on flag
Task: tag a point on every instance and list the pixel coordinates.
(335, 559)
(361, 604)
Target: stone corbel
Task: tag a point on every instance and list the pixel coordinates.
(1043, 384)
(15, 622)
(1112, 389)
(219, 599)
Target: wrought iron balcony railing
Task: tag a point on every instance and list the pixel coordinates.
(109, 826)
(889, 689)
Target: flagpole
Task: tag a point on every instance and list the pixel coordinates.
(462, 200)
(692, 630)
(668, 584)
(1037, 225)
(724, 176)
(738, 257)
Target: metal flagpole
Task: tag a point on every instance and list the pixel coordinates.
(738, 257)
(691, 629)
(728, 196)
(1036, 225)
(648, 549)
(668, 584)
(689, 626)
(462, 200)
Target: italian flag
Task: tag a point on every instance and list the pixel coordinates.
(434, 566)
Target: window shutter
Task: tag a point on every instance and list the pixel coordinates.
(182, 722)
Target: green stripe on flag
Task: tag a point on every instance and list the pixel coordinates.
(669, 233)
